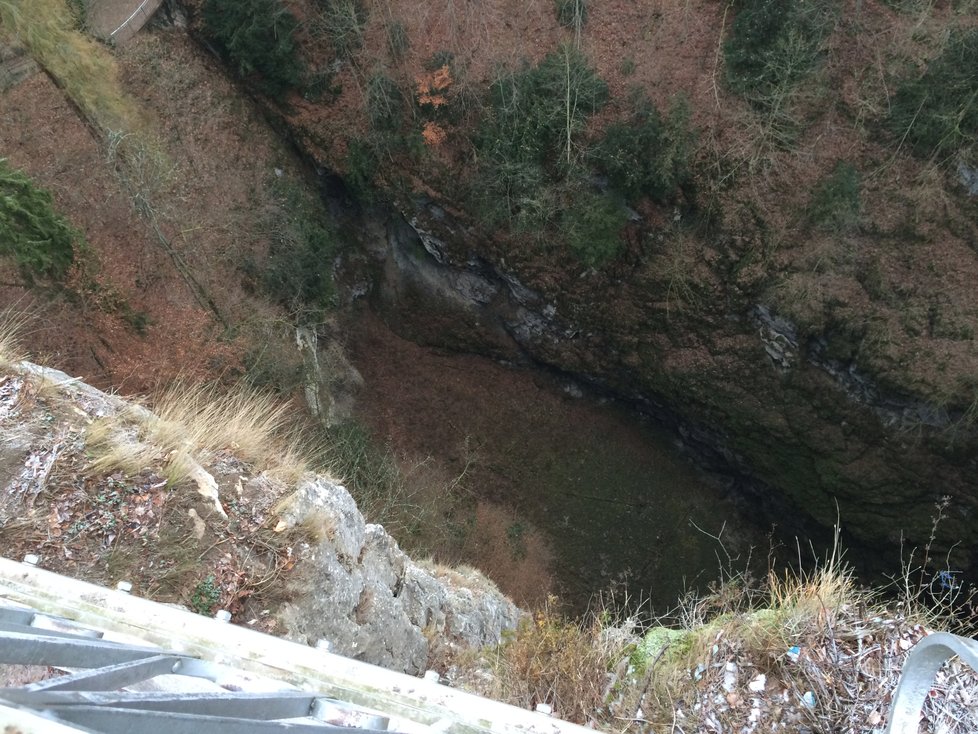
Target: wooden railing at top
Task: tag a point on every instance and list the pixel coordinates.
(418, 700)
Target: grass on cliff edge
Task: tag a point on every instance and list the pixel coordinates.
(193, 422)
(802, 652)
(12, 325)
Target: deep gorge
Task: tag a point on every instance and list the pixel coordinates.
(800, 321)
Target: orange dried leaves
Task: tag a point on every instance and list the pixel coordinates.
(432, 91)
(433, 87)
(433, 133)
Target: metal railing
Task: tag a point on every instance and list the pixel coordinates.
(100, 696)
(918, 674)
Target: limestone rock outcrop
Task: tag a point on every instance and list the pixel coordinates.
(369, 600)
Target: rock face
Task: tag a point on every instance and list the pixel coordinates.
(369, 600)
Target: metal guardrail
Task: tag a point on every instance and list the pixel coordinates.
(918, 674)
(413, 705)
(99, 697)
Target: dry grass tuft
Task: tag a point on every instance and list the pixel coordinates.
(190, 424)
(12, 325)
(249, 424)
(559, 662)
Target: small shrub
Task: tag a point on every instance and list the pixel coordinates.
(441, 92)
(529, 118)
(398, 42)
(517, 543)
(140, 166)
(528, 138)
(937, 112)
(592, 227)
(205, 596)
(415, 504)
(557, 661)
(774, 44)
(343, 22)
(385, 103)
(257, 37)
(299, 269)
(40, 240)
(79, 9)
(520, 194)
(369, 472)
(439, 59)
(571, 13)
(273, 364)
(647, 156)
(362, 164)
(835, 201)
(321, 84)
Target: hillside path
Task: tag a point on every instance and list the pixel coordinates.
(120, 20)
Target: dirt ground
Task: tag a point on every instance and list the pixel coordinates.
(572, 495)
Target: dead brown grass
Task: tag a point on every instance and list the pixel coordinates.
(12, 323)
(192, 423)
(558, 662)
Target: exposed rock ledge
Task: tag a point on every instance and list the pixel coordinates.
(351, 584)
(370, 601)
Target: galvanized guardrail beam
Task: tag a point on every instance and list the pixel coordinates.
(917, 677)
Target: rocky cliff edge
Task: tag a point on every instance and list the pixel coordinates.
(105, 489)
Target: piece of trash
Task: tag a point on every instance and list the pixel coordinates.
(757, 685)
(808, 699)
(730, 677)
(793, 653)
(698, 673)
(755, 712)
